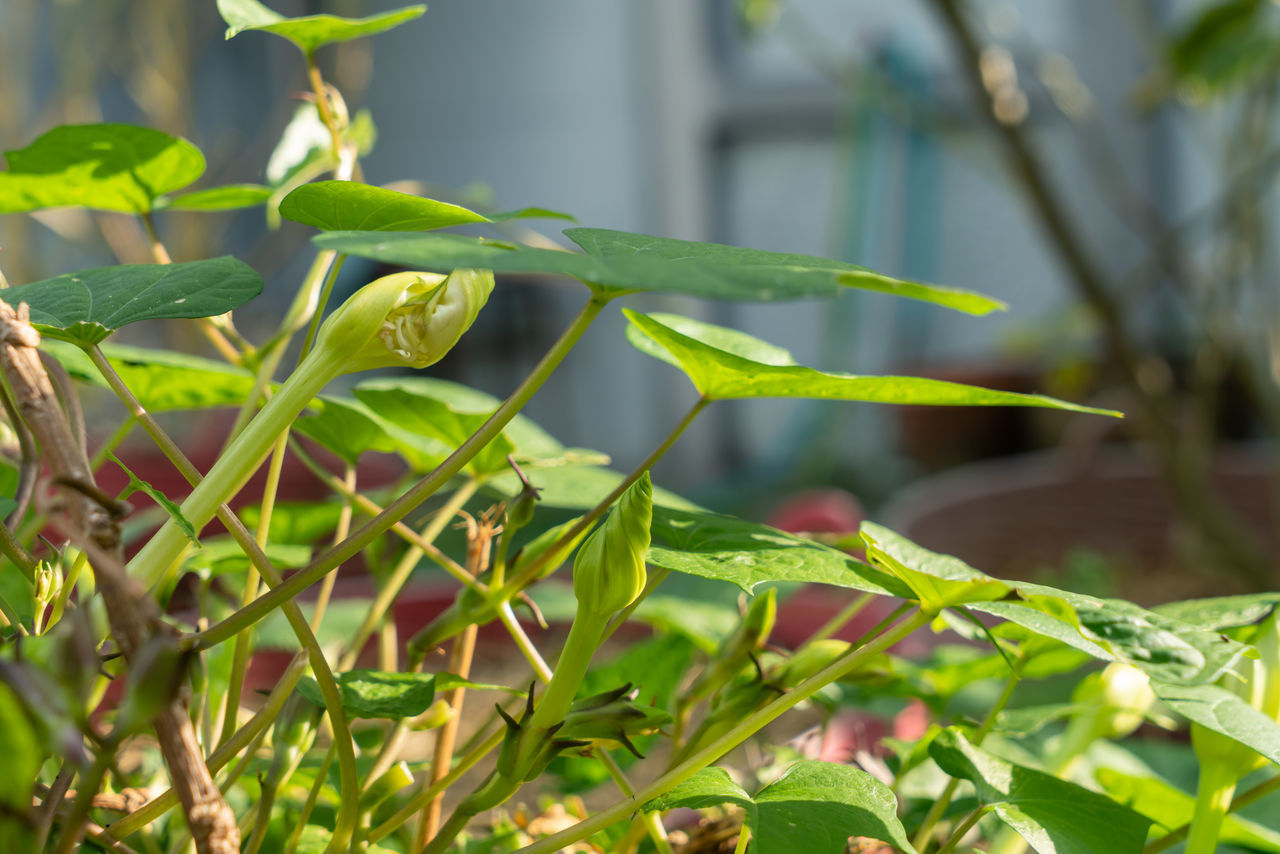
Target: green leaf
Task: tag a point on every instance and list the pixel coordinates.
(1052, 815)
(86, 307)
(747, 554)
(311, 31)
(1164, 648)
(817, 806)
(814, 807)
(765, 269)
(223, 556)
(1224, 45)
(22, 750)
(298, 522)
(936, 581)
(725, 364)
(531, 213)
(162, 380)
(1221, 612)
(226, 198)
(351, 206)
(709, 276)
(1223, 712)
(580, 487)
(136, 484)
(345, 426)
(386, 694)
(1171, 808)
(314, 839)
(709, 787)
(104, 167)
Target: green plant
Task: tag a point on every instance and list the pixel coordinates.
(316, 764)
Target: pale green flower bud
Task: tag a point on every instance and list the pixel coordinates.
(406, 319)
(609, 570)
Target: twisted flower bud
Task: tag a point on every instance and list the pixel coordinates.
(609, 571)
(406, 319)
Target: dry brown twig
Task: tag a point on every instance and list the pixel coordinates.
(130, 612)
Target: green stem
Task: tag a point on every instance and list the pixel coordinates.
(532, 570)
(340, 531)
(244, 640)
(159, 557)
(652, 821)
(752, 724)
(522, 641)
(1213, 800)
(744, 839)
(245, 736)
(406, 503)
(418, 801)
(847, 613)
(575, 658)
(391, 588)
(313, 795)
(1240, 801)
(931, 819)
(964, 827)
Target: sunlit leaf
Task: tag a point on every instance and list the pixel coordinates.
(723, 364)
(108, 167)
(226, 198)
(311, 31)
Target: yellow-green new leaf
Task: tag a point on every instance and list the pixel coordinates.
(725, 364)
(311, 31)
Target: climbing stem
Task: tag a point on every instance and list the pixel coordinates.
(750, 725)
(421, 491)
(1213, 801)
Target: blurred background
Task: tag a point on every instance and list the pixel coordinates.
(1104, 167)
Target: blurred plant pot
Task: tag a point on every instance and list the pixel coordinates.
(937, 437)
(1018, 516)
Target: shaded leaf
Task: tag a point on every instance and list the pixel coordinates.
(1171, 808)
(706, 277)
(725, 364)
(387, 694)
(298, 522)
(311, 31)
(23, 753)
(223, 556)
(1225, 44)
(1052, 815)
(345, 426)
(748, 554)
(87, 306)
(226, 198)
(108, 167)
(580, 487)
(814, 807)
(162, 380)
(766, 269)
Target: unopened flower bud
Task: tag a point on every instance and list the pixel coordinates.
(609, 570)
(406, 319)
(1121, 694)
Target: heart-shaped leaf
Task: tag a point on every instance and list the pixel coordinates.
(765, 268)
(226, 198)
(747, 554)
(311, 31)
(814, 807)
(708, 276)
(1222, 612)
(351, 206)
(1052, 815)
(161, 380)
(86, 307)
(724, 364)
(108, 167)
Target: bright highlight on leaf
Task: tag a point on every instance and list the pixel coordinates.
(725, 364)
(108, 167)
(311, 31)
